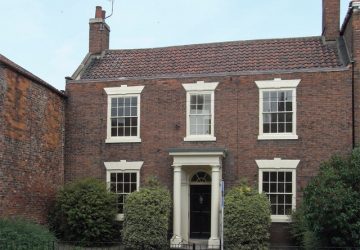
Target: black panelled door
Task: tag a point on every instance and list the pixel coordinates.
(200, 211)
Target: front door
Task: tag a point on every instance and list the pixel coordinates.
(200, 211)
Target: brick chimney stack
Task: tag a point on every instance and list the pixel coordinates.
(331, 19)
(99, 32)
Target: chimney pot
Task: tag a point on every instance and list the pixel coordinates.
(103, 14)
(98, 12)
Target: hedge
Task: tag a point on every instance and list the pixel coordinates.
(22, 235)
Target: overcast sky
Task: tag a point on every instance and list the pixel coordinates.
(50, 38)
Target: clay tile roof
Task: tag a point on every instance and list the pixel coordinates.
(29, 75)
(240, 56)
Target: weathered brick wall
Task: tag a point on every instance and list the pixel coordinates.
(32, 162)
(2, 177)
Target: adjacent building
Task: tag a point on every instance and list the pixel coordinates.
(31, 143)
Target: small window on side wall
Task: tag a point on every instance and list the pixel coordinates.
(123, 118)
(277, 109)
(200, 103)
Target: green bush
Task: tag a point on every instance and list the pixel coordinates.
(22, 235)
(246, 219)
(300, 232)
(332, 202)
(84, 212)
(146, 215)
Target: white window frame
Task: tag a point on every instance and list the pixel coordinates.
(277, 85)
(200, 88)
(277, 164)
(123, 166)
(123, 91)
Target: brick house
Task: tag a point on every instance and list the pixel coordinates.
(31, 142)
(269, 111)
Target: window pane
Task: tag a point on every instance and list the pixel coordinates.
(281, 210)
(288, 210)
(274, 106)
(114, 112)
(121, 112)
(134, 121)
(126, 187)
(281, 117)
(288, 95)
(288, 199)
(281, 187)
(281, 127)
(266, 176)
(126, 177)
(113, 177)
(127, 101)
(119, 187)
(281, 176)
(192, 109)
(288, 106)
(127, 121)
(267, 118)
(133, 111)
(266, 127)
(134, 101)
(288, 117)
(121, 102)
(273, 127)
(133, 131)
(113, 102)
(288, 127)
(127, 111)
(288, 177)
(273, 176)
(266, 187)
(113, 187)
(133, 177)
(273, 199)
(121, 131)
(273, 209)
(193, 99)
(281, 106)
(133, 187)
(113, 122)
(288, 187)
(127, 131)
(281, 199)
(266, 96)
(273, 188)
(281, 96)
(114, 132)
(273, 96)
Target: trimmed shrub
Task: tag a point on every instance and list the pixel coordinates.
(146, 219)
(246, 219)
(332, 202)
(84, 212)
(22, 235)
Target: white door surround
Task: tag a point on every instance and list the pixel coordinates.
(186, 163)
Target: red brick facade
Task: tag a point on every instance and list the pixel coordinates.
(324, 126)
(324, 106)
(31, 144)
